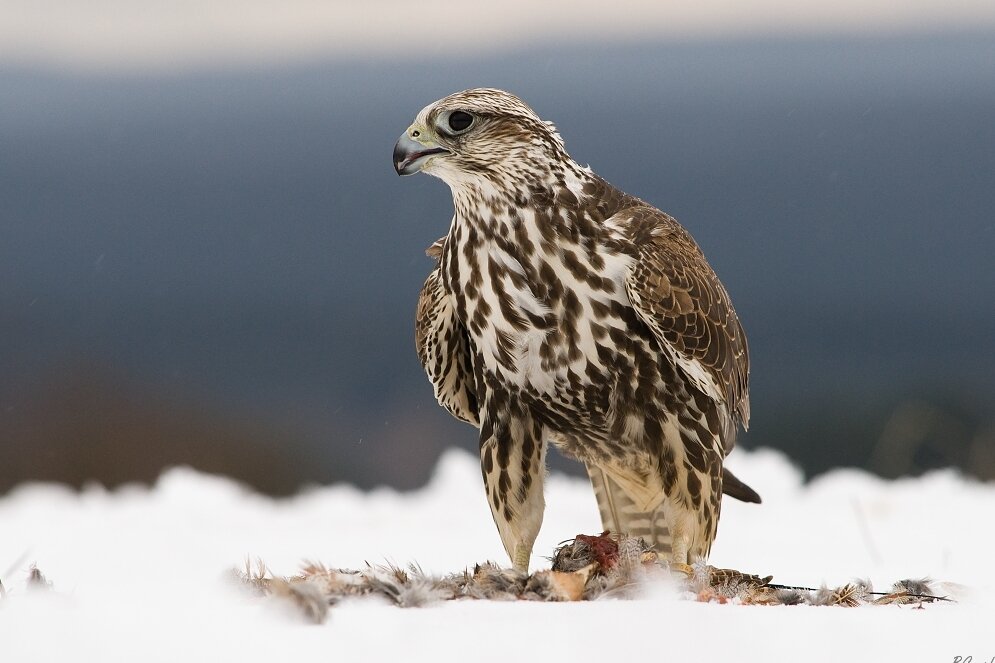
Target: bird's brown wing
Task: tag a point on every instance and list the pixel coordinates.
(443, 348)
(677, 294)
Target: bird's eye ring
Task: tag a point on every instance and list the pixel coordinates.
(459, 121)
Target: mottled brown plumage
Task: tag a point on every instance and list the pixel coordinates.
(564, 310)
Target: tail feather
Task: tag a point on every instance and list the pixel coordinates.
(735, 488)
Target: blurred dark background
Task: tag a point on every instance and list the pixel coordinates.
(219, 267)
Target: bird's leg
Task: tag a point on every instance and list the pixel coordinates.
(681, 530)
(692, 505)
(513, 463)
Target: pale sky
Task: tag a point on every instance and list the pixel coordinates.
(181, 34)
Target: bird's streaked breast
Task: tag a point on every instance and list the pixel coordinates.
(538, 311)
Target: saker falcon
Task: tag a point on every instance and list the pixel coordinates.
(563, 310)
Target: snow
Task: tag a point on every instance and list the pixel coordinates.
(138, 573)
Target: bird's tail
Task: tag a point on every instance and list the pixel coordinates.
(734, 487)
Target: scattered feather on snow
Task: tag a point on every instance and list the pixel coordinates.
(137, 573)
(585, 569)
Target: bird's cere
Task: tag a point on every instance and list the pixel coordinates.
(410, 154)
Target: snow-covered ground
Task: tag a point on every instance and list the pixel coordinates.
(138, 574)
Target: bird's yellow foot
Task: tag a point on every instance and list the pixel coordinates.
(680, 569)
(521, 558)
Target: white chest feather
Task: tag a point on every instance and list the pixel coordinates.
(536, 309)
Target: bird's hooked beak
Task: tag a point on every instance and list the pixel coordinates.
(413, 150)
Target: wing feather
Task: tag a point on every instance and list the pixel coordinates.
(444, 350)
(677, 294)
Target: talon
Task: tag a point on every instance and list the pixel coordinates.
(685, 569)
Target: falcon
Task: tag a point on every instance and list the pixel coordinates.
(562, 310)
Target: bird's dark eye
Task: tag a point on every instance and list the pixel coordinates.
(460, 121)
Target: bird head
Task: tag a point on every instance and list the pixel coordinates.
(483, 133)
